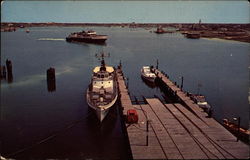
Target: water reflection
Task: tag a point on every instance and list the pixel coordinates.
(86, 44)
(3, 72)
(51, 85)
(103, 135)
(10, 77)
(94, 123)
(149, 84)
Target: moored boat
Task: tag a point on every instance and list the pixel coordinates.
(102, 92)
(159, 30)
(147, 74)
(237, 130)
(88, 37)
(202, 103)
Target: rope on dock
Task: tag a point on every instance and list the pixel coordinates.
(49, 137)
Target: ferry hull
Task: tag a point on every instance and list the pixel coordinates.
(86, 40)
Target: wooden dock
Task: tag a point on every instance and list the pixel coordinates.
(171, 131)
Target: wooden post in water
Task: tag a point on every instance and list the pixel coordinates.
(9, 66)
(127, 82)
(51, 79)
(157, 64)
(120, 65)
(9, 71)
(4, 72)
(147, 134)
(238, 131)
(182, 82)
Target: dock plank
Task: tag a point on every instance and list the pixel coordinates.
(181, 138)
(220, 135)
(137, 137)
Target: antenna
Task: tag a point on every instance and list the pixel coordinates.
(102, 55)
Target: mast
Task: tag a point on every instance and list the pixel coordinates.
(103, 65)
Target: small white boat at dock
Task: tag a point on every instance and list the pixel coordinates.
(147, 74)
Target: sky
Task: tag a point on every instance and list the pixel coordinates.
(209, 11)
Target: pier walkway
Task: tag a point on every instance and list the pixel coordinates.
(178, 130)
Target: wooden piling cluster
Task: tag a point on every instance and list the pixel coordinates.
(3, 72)
(6, 71)
(171, 131)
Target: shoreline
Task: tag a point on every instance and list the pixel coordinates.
(235, 32)
(222, 40)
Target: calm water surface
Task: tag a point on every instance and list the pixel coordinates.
(30, 114)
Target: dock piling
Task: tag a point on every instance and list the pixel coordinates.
(51, 79)
(2, 72)
(157, 64)
(238, 129)
(147, 133)
(182, 82)
(9, 71)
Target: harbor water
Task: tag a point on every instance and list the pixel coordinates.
(41, 124)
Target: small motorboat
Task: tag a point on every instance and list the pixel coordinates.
(147, 74)
(202, 103)
(237, 130)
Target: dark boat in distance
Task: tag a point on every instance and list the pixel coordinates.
(88, 37)
(160, 30)
(193, 35)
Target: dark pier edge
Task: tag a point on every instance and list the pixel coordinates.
(124, 129)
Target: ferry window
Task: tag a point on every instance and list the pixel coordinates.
(102, 76)
(98, 75)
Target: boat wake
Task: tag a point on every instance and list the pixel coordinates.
(51, 39)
